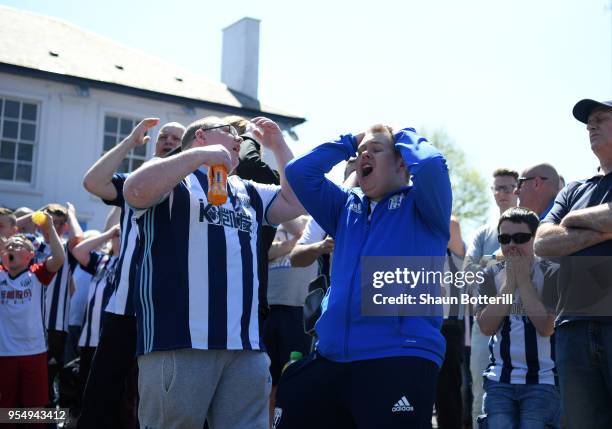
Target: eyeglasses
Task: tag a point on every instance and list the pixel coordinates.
(522, 180)
(518, 238)
(227, 128)
(506, 189)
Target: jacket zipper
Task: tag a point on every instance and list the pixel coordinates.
(350, 297)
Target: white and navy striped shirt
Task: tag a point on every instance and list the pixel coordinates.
(518, 354)
(57, 297)
(122, 299)
(102, 267)
(198, 281)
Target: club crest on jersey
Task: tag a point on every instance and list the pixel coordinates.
(395, 202)
(355, 207)
(244, 201)
(219, 215)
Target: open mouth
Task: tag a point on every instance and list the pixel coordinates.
(167, 149)
(11, 257)
(366, 170)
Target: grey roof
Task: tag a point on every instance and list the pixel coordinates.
(59, 49)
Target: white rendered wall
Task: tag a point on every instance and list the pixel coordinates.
(69, 140)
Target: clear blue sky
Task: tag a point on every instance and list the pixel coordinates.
(500, 77)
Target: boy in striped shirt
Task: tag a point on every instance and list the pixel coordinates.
(520, 380)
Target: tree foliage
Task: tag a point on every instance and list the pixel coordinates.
(470, 195)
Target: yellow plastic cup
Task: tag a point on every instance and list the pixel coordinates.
(39, 218)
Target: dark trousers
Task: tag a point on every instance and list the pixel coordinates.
(56, 343)
(449, 403)
(385, 393)
(111, 371)
(87, 354)
(283, 333)
(72, 343)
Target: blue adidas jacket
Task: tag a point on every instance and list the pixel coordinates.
(420, 226)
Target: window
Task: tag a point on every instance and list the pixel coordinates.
(18, 124)
(115, 130)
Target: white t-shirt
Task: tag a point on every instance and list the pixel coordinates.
(288, 285)
(78, 301)
(22, 331)
(313, 233)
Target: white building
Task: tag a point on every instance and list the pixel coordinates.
(67, 95)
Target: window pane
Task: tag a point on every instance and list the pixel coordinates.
(110, 124)
(25, 152)
(126, 126)
(1, 105)
(140, 150)
(28, 111)
(11, 109)
(10, 129)
(136, 163)
(109, 142)
(24, 173)
(123, 168)
(6, 170)
(7, 150)
(28, 131)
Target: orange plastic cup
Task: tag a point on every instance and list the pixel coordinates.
(217, 185)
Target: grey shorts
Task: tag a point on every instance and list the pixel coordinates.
(182, 388)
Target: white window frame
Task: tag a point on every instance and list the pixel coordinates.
(119, 136)
(13, 183)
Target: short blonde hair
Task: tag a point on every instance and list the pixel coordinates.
(237, 122)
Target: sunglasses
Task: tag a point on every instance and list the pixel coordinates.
(522, 180)
(518, 238)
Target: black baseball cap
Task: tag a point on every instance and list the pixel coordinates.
(583, 108)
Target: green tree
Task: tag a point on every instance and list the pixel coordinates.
(470, 195)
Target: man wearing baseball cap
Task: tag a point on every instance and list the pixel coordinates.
(578, 229)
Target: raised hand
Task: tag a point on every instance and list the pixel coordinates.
(115, 231)
(268, 132)
(137, 136)
(71, 209)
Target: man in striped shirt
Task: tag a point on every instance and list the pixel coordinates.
(520, 381)
(198, 330)
(114, 358)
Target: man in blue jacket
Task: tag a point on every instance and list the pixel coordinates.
(370, 371)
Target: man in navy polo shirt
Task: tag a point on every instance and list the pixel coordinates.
(579, 230)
